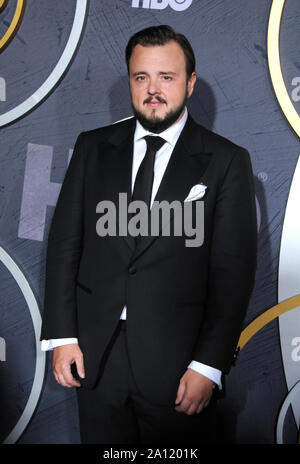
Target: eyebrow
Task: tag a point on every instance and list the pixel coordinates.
(160, 72)
(172, 73)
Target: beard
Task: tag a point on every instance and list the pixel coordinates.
(156, 124)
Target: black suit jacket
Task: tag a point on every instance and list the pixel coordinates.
(183, 303)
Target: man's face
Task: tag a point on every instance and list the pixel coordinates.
(159, 85)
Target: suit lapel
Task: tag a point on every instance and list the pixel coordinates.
(186, 167)
(119, 164)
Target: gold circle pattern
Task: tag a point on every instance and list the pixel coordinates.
(11, 31)
(275, 65)
(266, 317)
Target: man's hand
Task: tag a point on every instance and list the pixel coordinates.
(194, 392)
(63, 357)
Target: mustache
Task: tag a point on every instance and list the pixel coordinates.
(158, 98)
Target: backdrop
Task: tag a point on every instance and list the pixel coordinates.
(62, 71)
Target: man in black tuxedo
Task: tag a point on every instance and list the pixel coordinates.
(145, 326)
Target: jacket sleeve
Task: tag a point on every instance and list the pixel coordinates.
(64, 251)
(232, 265)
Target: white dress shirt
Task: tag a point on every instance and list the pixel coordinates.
(162, 158)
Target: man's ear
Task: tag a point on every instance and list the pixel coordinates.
(191, 84)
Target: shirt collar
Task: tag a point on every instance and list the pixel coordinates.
(171, 134)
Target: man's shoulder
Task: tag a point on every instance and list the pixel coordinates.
(216, 143)
(118, 129)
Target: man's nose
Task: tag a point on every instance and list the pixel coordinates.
(153, 86)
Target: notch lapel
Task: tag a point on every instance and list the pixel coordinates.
(186, 167)
(119, 166)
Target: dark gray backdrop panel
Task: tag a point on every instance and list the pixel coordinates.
(234, 97)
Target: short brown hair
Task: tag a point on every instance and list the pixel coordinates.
(161, 35)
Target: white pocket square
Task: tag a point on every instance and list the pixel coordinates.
(196, 192)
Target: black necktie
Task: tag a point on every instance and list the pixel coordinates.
(144, 178)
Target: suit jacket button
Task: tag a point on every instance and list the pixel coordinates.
(132, 270)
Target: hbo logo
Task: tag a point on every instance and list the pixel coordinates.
(2, 89)
(177, 5)
(2, 349)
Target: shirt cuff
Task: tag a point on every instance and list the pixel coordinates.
(210, 372)
(47, 345)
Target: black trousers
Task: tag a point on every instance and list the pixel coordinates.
(115, 412)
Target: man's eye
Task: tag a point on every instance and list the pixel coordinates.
(167, 78)
(140, 78)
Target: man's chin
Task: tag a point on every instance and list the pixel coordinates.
(157, 121)
(155, 114)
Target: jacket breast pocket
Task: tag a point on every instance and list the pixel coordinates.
(83, 287)
(194, 309)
